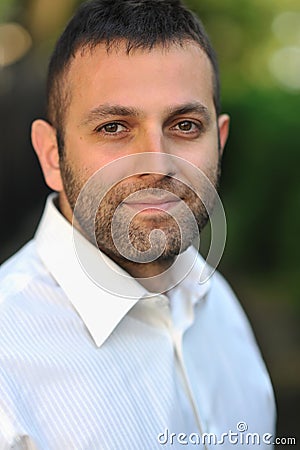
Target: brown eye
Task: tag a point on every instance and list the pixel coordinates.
(111, 127)
(186, 125)
(188, 129)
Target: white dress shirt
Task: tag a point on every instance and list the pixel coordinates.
(84, 369)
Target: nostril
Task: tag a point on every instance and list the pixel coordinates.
(157, 174)
(149, 163)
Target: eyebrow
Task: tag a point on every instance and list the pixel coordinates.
(188, 108)
(107, 110)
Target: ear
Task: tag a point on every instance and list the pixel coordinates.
(43, 137)
(223, 123)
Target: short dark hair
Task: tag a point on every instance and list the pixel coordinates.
(141, 24)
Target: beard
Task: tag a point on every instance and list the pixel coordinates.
(138, 237)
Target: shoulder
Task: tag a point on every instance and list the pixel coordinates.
(18, 271)
(224, 297)
(20, 275)
(30, 301)
(228, 311)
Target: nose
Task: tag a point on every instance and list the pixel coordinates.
(155, 154)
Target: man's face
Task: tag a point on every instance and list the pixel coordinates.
(158, 101)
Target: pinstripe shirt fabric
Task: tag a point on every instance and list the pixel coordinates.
(82, 369)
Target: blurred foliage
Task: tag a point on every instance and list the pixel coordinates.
(7, 7)
(260, 185)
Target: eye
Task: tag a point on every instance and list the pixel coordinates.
(111, 128)
(187, 126)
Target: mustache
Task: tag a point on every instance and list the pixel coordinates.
(155, 187)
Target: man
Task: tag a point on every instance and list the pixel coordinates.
(108, 339)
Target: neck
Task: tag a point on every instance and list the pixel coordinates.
(154, 276)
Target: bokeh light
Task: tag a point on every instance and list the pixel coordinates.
(285, 66)
(286, 27)
(15, 42)
(284, 63)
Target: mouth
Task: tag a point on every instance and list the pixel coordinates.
(151, 204)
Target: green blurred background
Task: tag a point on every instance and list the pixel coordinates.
(258, 43)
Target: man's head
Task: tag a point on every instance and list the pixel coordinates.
(139, 24)
(131, 77)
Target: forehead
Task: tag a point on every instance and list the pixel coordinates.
(143, 78)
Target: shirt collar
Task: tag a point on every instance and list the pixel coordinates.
(76, 265)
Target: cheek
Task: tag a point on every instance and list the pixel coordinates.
(85, 161)
(203, 166)
(204, 153)
(206, 162)
(92, 156)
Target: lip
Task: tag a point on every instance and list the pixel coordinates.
(152, 204)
